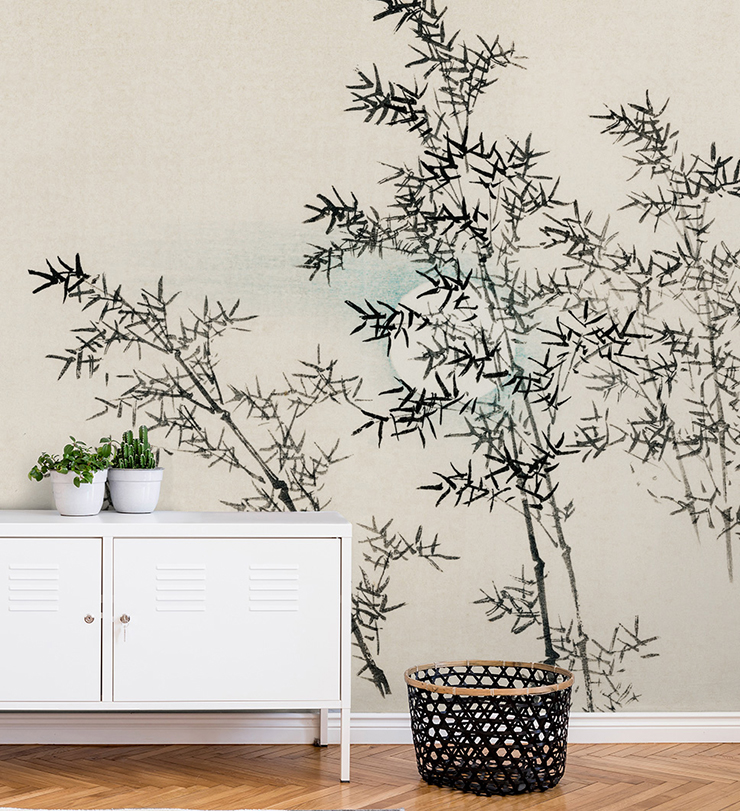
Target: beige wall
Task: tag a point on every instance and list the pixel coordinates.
(182, 139)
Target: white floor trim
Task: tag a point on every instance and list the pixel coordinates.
(584, 727)
(654, 727)
(274, 727)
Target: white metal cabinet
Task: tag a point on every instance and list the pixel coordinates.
(274, 633)
(50, 630)
(218, 619)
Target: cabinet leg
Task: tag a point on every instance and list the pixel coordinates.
(344, 745)
(323, 738)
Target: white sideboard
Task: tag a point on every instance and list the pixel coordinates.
(177, 611)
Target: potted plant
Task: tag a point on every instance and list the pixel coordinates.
(134, 478)
(77, 476)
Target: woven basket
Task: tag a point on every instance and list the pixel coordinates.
(490, 727)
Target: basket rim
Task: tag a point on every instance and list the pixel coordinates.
(489, 691)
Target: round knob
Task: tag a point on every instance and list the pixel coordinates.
(89, 618)
(125, 618)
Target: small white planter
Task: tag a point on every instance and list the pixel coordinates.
(87, 499)
(134, 491)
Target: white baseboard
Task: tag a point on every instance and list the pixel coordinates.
(654, 727)
(161, 727)
(584, 727)
(367, 728)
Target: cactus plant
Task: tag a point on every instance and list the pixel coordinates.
(134, 478)
(135, 453)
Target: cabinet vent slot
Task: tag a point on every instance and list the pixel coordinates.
(273, 587)
(180, 587)
(33, 587)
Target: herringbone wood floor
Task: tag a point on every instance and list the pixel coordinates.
(675, 777)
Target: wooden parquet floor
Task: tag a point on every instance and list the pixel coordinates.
(668, 777)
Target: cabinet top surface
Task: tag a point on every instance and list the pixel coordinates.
(313, 524)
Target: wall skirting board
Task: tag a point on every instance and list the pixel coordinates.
(273, 727)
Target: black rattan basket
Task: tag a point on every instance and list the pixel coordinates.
(490, 727)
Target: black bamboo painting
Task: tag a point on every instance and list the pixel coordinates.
(527, 337)
(495, 344)
(688, 382)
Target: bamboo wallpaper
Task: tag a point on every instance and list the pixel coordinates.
(467, 275)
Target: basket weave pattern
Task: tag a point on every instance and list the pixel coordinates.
(490, 727)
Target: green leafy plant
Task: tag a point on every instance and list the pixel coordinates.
(135, 453)
(77, 458)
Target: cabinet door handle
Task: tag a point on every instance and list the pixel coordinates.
(125, 619)
(89, 618)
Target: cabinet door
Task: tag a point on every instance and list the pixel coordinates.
(226, 619)
(50, 652)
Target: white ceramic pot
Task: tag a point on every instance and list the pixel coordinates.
(134, 491)
(87, 499)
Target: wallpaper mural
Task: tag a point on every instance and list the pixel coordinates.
(519, 385)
